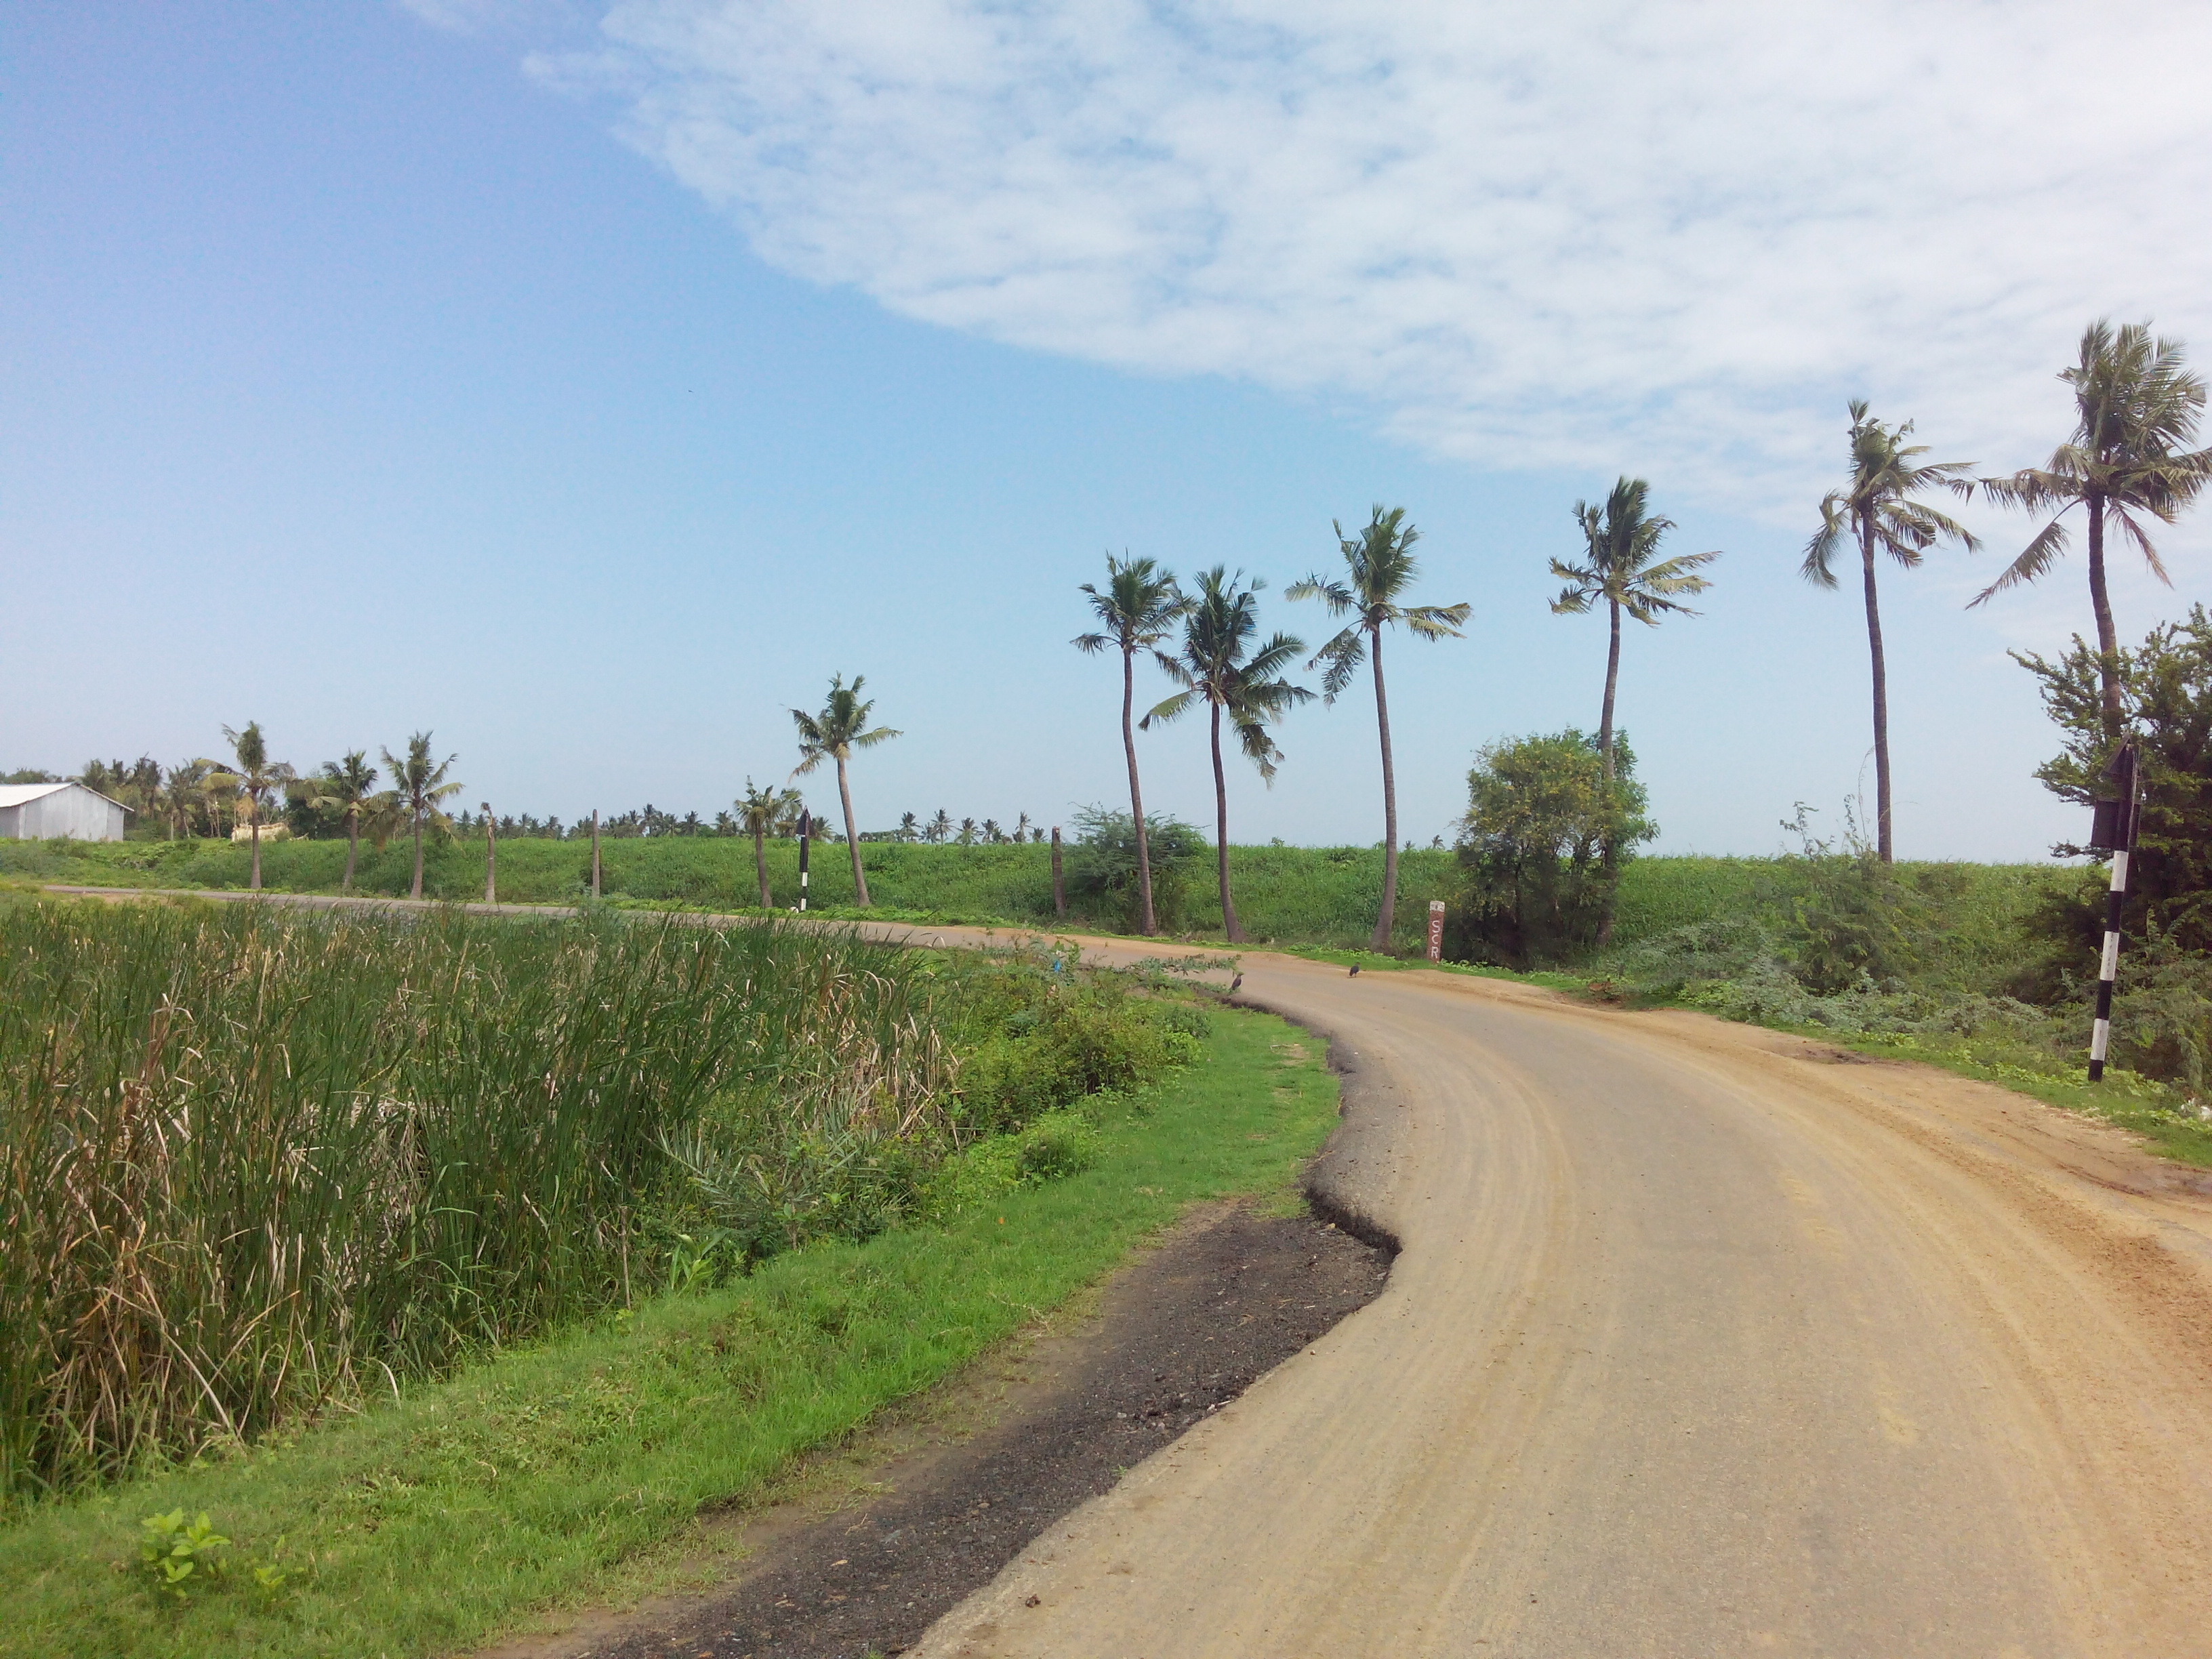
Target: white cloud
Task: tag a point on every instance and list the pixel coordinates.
(1663, 237)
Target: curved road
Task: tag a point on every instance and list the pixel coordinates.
(1702, 1342)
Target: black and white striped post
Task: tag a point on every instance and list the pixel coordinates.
(2112, 831)
(805, 829)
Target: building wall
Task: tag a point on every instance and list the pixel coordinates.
(76, 811)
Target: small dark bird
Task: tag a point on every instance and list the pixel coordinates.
(1355, 970)
(1236, 984)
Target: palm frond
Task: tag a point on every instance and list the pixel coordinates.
(2035, 559)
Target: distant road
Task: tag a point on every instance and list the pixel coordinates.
(1705, 1341)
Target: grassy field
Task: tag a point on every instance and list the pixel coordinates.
(1305, 896)
(421, 1526)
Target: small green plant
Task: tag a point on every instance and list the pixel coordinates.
(180, 1557)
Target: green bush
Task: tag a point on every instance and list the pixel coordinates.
(1545, 838)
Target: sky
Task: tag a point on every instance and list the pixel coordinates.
(587, 383)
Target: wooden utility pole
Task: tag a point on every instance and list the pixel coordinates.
(491, 856)
(1059, 887)
(595, 851)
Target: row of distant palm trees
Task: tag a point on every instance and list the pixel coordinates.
(345, 788)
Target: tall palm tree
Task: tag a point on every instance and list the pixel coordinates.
(419, 784)
(1219, 665)
(1379, 566)
(939, 827)
(1136, 612)
(342, 786)
(834, 735)
(2136, 410)
(1877, 511)
(255, 777)
(765, 812)
(1623, 570)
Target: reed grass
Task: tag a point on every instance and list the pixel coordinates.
(252, 1161)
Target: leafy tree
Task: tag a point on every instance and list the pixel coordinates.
(1220, 665)
(1537, 884)
(2136, 410)
(32, 774)
(419, 784)
(1379, 566)
(764, 812)
(254, 777)
(1624, 570)
(2166, 700)
(344, 787)
(1102, 864)
(1878, 512)
(834, 735)
(1137, 611)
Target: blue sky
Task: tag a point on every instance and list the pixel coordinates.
(587, 386)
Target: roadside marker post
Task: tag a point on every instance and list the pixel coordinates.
(491, 856)
(595, 851)
(805, 827)
(1436, 930)
(2112, 831)
(1059, 886)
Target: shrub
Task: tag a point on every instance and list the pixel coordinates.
(1100, 868)
(1541, 848)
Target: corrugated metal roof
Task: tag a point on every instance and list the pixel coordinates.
(15, 794)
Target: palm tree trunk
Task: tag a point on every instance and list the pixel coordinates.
(415, 891)
(2108, 642)
(760, 867)
(1611, 851)
(1229, 930)
(1381, 942)
(1147, 924)
(1883, 846)
(851, 839)
(253, 884)
(353, 851)
(1611, 681)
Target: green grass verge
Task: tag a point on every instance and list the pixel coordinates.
(525, 1482)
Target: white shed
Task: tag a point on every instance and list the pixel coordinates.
(33, 811)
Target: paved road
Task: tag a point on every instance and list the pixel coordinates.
(1702, 1342)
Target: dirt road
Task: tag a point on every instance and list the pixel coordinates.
(1701, 1343)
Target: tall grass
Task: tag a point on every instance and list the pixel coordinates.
(251, 1160)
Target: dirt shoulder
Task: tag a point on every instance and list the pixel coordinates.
(928, 1508)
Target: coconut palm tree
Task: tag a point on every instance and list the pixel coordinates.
(939, 827)
(761, 813)
(1877, 511)
(184, 791)
(2136, 410)
(1219, 665)
(254, 777)
(834, 735)
(342, 786)
(418, 786)
(1625, 571)
(1379, 565)
(1137, 611)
